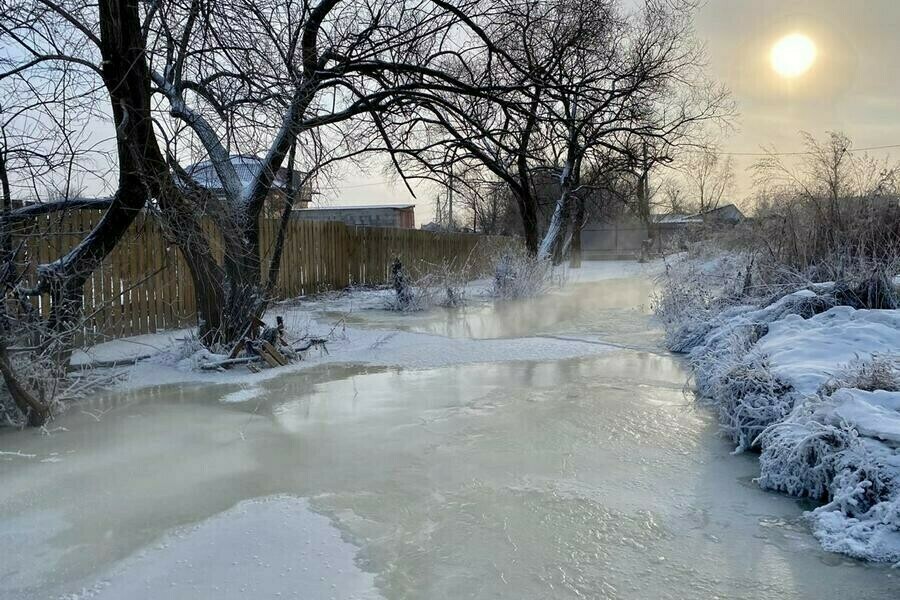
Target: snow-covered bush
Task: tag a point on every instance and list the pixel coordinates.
(441, 284)
(444, 284)
(748, 399)
(806, 373)
(876, 372)
(518, 275)
(816, 453)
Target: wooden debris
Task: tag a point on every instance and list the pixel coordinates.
(229, 362)
(268, 351)
(237, 349)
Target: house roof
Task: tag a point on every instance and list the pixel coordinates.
(672, 218)
(726, 211)
(362, 207)
(247, 167)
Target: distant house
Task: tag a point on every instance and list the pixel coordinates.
(247, 168)
(729, 213)
(669, 226)
(379, 215)
(621, 235)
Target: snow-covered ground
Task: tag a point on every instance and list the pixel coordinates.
(815, 388)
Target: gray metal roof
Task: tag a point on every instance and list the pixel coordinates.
(362, 207)
(247, 168)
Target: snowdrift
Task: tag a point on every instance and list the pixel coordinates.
(815, 387)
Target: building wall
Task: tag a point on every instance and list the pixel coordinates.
(612, 240)
(362, 216)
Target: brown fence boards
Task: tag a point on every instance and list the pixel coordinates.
(144, 286)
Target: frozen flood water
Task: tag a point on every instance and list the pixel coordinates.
(590, 477)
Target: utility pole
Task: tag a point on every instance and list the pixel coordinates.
(645, 187)
(644, 201)
(450, 194)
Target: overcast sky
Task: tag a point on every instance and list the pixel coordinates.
(854, 84)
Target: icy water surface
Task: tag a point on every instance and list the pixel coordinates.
(582, 478)
(616, 310)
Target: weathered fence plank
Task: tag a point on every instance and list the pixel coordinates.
(144, 285)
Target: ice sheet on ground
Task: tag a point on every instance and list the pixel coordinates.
(380, 348)
(266, 548)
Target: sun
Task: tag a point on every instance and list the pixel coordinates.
(793, 55)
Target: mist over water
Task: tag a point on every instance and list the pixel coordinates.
(591, 477)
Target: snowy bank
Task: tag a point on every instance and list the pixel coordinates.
(815, 387)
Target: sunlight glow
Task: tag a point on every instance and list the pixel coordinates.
(793, 55)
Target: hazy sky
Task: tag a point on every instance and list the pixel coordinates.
(853, 85)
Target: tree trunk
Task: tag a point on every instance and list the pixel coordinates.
(577, 225)
(126, 79)
(142, 166)
(35, 411)
(528, 212)
(8, 271)
(559, 219)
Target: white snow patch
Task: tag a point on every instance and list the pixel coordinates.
(873, 414)
(807, 352)
(129, 348)
(243, 395)
(266, 548)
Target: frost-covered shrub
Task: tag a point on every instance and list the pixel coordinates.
(518, 275)
(842, 446)
(748, 399)
(685, 307)
(857, 477)
(9, 412)
(798, 456)
(444, 285)
(737, 381)
(404, 297)
(873, 373)
(441, 284)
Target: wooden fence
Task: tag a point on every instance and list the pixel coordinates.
(144, 285)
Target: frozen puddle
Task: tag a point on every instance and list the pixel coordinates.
(555, 477)
(267, 548)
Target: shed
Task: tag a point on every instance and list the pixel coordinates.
(376, 215)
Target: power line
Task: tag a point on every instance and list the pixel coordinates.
(806, 153)
(337, 188)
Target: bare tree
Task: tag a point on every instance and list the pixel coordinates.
(709, 178)
(829, 204)
(633, 84)
(569, 81)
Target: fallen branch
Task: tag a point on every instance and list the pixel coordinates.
(229, 362)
